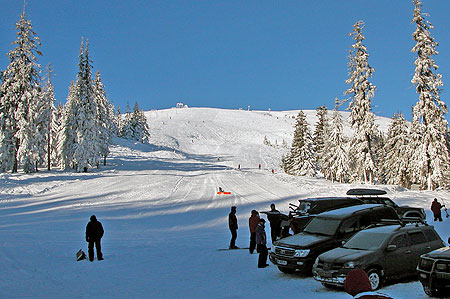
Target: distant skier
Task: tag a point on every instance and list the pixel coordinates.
(259, 166)
(220, 189)
(261, 242)
(275, 222)
(94, 234)
(233, 225)
(436, 208)
(252, 224)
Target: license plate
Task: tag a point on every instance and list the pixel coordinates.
(326, 275)
(281, 262)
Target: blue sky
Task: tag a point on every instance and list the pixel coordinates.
(280, 55)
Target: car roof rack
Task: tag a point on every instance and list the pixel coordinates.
(365, 192)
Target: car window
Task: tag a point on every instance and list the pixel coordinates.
(349, 225)
(386, 213)
(417, 238)
(365, 220)
(431, 235)
(399, 241)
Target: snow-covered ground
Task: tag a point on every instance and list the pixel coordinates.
(162, 217)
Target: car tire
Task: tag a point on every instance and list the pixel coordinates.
(375, 278)
(431, 292)
(286, 270)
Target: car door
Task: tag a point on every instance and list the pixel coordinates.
(419, 245)
(397, 260)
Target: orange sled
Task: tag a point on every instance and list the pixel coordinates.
(223, 192)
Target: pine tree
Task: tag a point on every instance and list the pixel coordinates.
(396, 159)
(56, 129)
(19, 89)
(321, 132)
(87, 143)
(301, 161)
(67, 137)
(105, 117)
(335, 160)
(135, 125)
(45, 110)
(430, 109)
(361, 116)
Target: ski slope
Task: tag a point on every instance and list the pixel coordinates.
(162, 217)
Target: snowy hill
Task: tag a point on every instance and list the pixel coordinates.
(162, 217)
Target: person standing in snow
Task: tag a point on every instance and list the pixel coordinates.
(436, 208)
(233, 225)
(252, 224)
(261, 242)
(275, 222)
(94, 234)
(357, 284)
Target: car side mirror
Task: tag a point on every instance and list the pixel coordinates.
(343, 242)
(391, 248)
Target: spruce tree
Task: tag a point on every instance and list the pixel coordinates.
(301, 161)
(335, 160)
(429, 110)
(55, 134)
(396, 157)
(87, 143)
(19, 89)
(321, 133)
(135, 125)
(361, 117)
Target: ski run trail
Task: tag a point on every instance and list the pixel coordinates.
(162, 217)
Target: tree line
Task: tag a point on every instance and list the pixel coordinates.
(35, 133)
(409, 154)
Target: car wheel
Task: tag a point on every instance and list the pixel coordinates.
(286, 270)
(374, 278)
(431, 292)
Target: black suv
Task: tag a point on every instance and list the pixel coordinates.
(434, 272)
(307, 208)
(373, 196)
(325, 232)
(384, 252)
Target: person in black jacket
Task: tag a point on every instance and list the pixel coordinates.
(233, 225)
(94, 233)
(261, 242)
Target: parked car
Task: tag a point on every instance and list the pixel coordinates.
(374, 196)
(434, 272)
(384, 252)
(307, 208)
(324, 232)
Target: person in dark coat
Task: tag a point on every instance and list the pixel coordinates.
(357, 284)
(261, 242)
(233, 225)
(252, 224)
(436, 208)
(94, 234)
(275, 222)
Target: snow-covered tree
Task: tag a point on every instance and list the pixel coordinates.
(56, 128)
(301, 161)
(396, 158)
(87, 140)
(105, 117)
(44, 112)
(19, 89)
(135, 125)
(67, 137)
(335, 160)
(321, 132)
(429, 111)
(361, 117)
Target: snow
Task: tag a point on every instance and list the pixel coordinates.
(162, 217)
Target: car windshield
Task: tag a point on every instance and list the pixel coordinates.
(366, 241)
(322, 226)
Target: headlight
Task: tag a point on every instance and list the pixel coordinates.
(301, 252)
(351, 265)
(441, 266)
